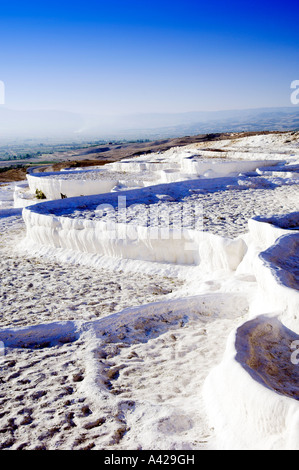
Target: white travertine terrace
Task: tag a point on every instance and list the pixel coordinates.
(252, 396)
(173, 165)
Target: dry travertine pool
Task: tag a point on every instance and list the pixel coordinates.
(224, 212)
(37, 290)
(264, 348)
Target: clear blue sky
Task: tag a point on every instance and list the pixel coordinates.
(148, 56)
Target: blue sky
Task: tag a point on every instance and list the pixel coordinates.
(122, 57)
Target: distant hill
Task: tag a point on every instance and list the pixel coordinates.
(181, 124)
(77, 127)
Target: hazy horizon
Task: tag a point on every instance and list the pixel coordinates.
(44, 124)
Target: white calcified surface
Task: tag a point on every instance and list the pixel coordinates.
(103, 352)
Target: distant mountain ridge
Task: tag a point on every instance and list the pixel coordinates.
(75, 126)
